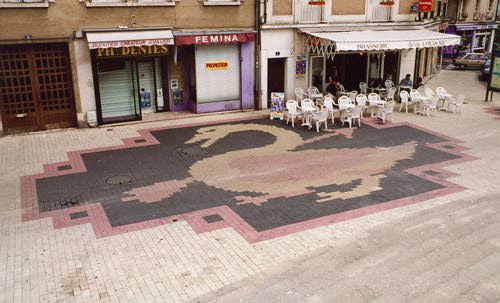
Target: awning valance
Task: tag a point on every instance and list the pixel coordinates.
(327, 43)
(129, 38)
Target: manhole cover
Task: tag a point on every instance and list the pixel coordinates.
(191, 151)
(120, 180)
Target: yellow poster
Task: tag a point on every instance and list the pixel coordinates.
(217, 65)
(495, 75)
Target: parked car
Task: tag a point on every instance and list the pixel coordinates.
(476, 60)
(485, 73)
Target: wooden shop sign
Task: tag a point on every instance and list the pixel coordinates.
(144, 50)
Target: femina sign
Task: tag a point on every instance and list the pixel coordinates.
(214, 38)
(144, 50)
(428, 43)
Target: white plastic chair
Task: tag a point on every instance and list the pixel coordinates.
(405, 101)
(344, 102)
(318, 118)
(307, 105)
(363, 88)
(341, 89)
(299, 94)
(352, 95)
(350, 116)
(418, 99)
(421, 90)
(444, 97)
(388, 84)
(292, 111)
(328, 105)
(429, 93)
(373, 103)
(391, 92)
(312, 90)
(384, 111)
(431, 105)
(457, 103)
(361, 101)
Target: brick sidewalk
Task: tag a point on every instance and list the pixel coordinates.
(182, 243)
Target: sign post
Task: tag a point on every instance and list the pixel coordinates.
(494, 82)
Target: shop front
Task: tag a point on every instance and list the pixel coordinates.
(131, 71)
(476, 38)
(215, 71)
(367, 56)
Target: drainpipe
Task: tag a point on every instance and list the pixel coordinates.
(257, 56)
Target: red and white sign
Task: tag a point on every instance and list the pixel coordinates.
(425, 5)
(316, 2)
(214, 39)
(115, 44)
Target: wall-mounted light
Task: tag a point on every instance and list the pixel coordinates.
(28, 37)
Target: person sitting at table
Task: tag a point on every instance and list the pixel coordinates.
(419, 82)
(406, 81)
(333, 88)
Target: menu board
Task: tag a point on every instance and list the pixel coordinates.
(277, 105)
(495, 74)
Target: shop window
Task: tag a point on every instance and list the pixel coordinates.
(97, 3)
(25, 3)
(221, 2)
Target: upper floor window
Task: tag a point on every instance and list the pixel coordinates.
(98, 3)
(25, 3)
(221, 2)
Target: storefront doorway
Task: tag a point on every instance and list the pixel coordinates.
(352, 68)
(275, 77)
(36, 88)
(130, 87)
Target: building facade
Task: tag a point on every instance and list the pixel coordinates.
(66, 62)
(307, 43)
(475, 22)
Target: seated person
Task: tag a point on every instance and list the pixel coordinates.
(406, 81)
(419, 82)
(332, 88)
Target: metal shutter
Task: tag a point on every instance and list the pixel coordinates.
(116, 88)
(217, 84)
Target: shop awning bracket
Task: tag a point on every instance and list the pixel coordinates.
(320, 47)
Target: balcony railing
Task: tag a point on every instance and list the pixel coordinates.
(307, 13)
(380, 13)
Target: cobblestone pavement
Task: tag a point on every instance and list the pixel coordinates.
(186, 224)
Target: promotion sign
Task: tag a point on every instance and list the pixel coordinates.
(217, 65)
(425, 5)
(277, 106)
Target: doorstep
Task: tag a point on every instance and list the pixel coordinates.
(179, 115)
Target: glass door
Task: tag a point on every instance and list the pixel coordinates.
(316, 74)
(147, 86)
(374, 69)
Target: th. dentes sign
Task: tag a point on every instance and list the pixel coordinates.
(425, 5)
